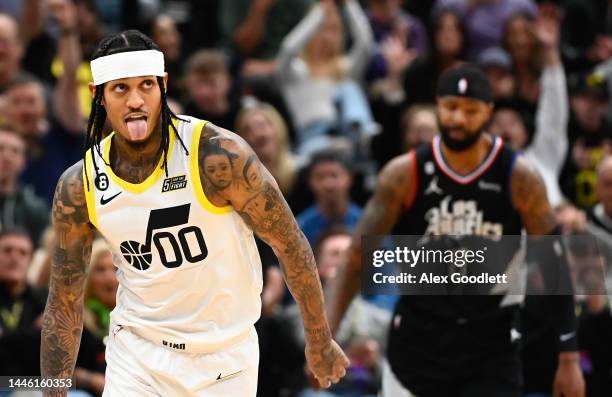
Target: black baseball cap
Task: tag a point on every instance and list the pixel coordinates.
(466, 80)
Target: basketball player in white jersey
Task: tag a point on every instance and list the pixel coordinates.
(178, 200)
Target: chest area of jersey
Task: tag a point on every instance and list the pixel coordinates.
(161, 225)
(481, 207)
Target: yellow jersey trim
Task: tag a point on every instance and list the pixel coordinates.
(90, 200)
(195, 172)
(151, 179)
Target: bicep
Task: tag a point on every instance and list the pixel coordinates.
(252, 190)
(73, 232)
(530, 199)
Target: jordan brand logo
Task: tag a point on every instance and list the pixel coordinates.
(433, 187)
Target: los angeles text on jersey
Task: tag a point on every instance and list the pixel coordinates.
(430, 278)
(460, 217)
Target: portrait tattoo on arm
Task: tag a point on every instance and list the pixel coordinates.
(254, 194)
(63, 315)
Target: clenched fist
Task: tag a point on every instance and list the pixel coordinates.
(327, 362)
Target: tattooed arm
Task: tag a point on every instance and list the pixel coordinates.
(63, 316)
(529, 198)
(252, 191)
(381, 212)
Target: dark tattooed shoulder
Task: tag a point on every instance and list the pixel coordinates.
(227, 164)
(69, 204)
(530, 199)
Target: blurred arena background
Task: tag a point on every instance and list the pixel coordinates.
(326, 92)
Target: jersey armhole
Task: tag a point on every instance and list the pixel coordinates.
(90, 200)
(414, 186)
(195, 172)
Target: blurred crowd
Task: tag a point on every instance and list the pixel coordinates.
(326, 92)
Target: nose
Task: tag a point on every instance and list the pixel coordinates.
(134, 100)
(458, 118)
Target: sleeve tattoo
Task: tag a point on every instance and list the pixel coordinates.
(63, 316)
(254, 194)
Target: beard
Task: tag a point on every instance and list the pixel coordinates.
(459, 145)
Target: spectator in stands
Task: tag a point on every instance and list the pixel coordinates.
(330, 180)
(51, 144)
(497, 65)
(21, 307)
(19, 206)
(256, 28)
(11, 50)
(389, 22)
(166, 35)
(590, 138)
(448, 48)
(208, 85)
(525, 49)
(587, 33)
(100, 296)
(419, 126)
(319, 81)
(265, 130)
(89, 25)
(485, 19)
(512, 119)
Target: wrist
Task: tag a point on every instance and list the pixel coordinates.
(317, 335)
(568, 358)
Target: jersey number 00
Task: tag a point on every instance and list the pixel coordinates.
(139, 255)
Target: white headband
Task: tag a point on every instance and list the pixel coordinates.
(127, 64)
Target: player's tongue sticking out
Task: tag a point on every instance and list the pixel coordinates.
(137, 128)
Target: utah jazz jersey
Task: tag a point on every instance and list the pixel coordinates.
(189, 272)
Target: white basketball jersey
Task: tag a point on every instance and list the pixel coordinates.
(189, 272)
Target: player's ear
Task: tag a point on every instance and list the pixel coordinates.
(166, 81)
(92, 89)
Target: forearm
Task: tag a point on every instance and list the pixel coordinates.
(359, 56)
(67, 107)
(299, 36)
(550, 141)
(61, 337)
(249, 34)
(341, 291)
(300, 272)
(32, 20)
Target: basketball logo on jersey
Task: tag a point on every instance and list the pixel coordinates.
(460, 218)
(190, 244)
